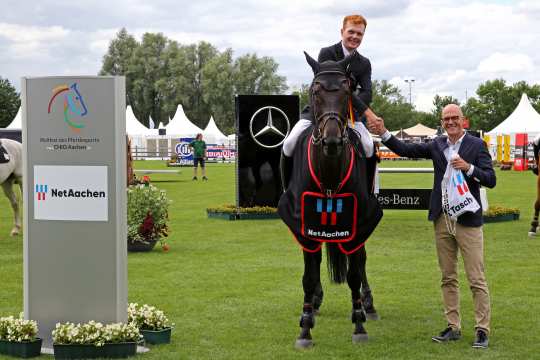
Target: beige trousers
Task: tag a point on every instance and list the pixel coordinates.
(470, 242)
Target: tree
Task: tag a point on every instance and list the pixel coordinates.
(146, 69)
(117, 59)
(257, 76)
(497, 100)
(9, 102)
(161, 74)
(391, 105)
(303, 94)
(217, 88)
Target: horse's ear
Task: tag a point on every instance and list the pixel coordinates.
(346, 61)
(315, 66)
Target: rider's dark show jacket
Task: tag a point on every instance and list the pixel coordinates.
(360, 69)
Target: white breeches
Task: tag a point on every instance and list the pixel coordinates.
(302, 124)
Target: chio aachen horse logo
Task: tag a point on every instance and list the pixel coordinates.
(74, 105)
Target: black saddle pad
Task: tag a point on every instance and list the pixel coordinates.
(4, 156)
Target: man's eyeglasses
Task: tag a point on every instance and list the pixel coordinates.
(451, 118)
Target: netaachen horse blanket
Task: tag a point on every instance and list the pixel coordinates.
(347, 217)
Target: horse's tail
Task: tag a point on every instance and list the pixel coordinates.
(336, 263)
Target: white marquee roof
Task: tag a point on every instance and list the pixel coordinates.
(133, 126)
(212, 134)
(16, 123)
(524, 119)
(181, 126)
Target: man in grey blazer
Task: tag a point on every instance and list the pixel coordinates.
(468, 154)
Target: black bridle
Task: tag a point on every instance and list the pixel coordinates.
(322, 120)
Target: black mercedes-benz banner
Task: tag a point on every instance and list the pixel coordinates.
(262, 123)
(404, 199)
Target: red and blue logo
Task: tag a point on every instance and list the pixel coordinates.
(461, 184)
(41, 191)
(329, 210)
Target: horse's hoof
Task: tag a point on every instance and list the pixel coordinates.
(532, 234)
(14, 232)
(359, 338)
(302, 344)
(372, 316)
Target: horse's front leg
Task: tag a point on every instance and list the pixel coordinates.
(7, 186)
(534, 224)
(367, 297)
(354, 279)
(310, 281)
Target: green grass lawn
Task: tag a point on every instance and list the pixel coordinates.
(233, 288)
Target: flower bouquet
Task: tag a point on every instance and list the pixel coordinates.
(154, 326)
(147, 217)
(94, 340)
(18, 337)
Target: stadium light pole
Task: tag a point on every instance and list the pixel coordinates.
(410, 82)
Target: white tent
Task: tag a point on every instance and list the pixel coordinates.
(133, 126)
(181, 126)
(16, 123)
(212, 134)
(524, 119)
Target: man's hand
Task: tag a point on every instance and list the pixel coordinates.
(375, 124)
(458, 163)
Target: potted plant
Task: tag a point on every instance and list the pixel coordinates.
(94, 340)
(18, 337)
(147, 216)
(499, 213)
(231, 212)
(151, 322)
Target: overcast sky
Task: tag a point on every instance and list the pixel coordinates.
(448, 47)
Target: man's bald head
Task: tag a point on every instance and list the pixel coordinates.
(451, 110)
(452, 121)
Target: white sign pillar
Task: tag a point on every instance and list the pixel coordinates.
(75, 228)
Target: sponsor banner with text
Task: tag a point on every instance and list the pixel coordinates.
(72, 193)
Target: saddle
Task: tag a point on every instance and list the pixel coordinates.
(4, 156)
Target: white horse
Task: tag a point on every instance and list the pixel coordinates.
(10, 173)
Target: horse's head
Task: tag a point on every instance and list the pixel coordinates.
(75, 101)
(74, 106)
(329, 93)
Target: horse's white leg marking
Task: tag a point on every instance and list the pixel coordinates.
(7, 186)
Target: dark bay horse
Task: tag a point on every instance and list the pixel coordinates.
(328, 199)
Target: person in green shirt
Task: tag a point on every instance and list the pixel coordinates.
(198, 146)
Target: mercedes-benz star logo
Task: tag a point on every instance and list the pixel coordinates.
(269, 128)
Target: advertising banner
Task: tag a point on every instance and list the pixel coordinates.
(71, 193)
(262, 123)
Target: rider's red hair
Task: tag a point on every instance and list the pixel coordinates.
(355, 20)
